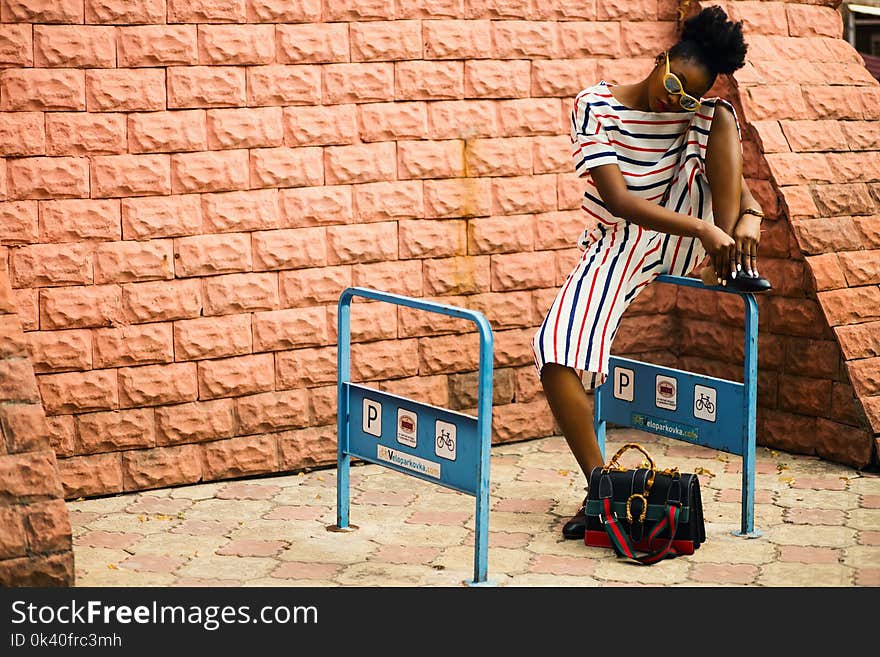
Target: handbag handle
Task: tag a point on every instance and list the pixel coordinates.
(613, 464)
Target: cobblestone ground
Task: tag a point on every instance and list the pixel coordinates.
(820, 525)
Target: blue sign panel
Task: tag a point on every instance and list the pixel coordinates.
(435, 444)
(683, 405)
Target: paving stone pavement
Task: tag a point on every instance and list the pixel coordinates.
(820, 524)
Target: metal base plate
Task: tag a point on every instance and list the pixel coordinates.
(752, 534)
(488, 582)
(337, 528)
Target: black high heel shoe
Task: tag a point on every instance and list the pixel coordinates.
(576, 527)
(744, 282)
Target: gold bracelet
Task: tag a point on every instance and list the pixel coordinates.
(753, 211)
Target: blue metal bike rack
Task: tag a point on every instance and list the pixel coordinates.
(699, 409)
(438, 445)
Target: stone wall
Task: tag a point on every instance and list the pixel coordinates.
(35, 534)
(190, 184)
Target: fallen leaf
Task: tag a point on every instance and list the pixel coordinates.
(781, 466)
(564, 473)
(787, 480)
(112, 566)
(703, 471)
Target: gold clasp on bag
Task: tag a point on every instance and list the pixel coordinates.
(644, 499)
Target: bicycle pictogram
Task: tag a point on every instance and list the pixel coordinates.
(704, 402)
(445, 440)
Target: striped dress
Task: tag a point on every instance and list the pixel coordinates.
(662, 158)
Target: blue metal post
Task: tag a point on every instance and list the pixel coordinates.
(484, 424)
(343, 365)
(750, 402)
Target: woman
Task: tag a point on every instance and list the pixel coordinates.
(663, 173)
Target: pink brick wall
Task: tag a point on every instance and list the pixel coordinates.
(189, 185)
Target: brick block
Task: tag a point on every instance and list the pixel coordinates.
(19, 222)
(520, 271)
(359, 10)
(17, 382)
(798, 201)
(458, 275)
(47, 178)
(289, 329)
(98, 474)
(237, 457)
(161, 467)
(843, 443)
(861, 135)
(80, 46)
(13, 343)
(26, 304)
(504, 310)
(861, 267)
(206, 11)
(130, 175)
(430, 159)
(165, 132)
(212, 337)
(457, 39)
(315, 206)
(801, 317)
(826, 235)
(562, 77)
(804, 395)
(357, 83)
(468, 119)
(431, 238)
(125, 90)
(321, 125)
(236, 293)
(865, 376)
(432, 390)
(588, 39)
(834, 200)
(360, 243)
(153, 385)
(148, 217)
(241, 375)
(43, 265)
(79, 392)
(29, 475)
(164, 301)
(319, 43)
(522, 421)
(859, 340)
(206, 255)
(304, 368)
(138, 344)
(18, 45)
(212, 171)
(127, 261)
(869, 229)
(458, 197)
(256, 127)
(852, 305)
(322, 405)
(388, 40)
(515, 39)
(13, 542)
(287, 167)
(306, 448)
(360, 163)
(113, 431)
(240, 211)
(25, 136)
(312, 287)
(272, 411)
(555, 230)
(402, 277)
(522, 194)
(448, 353)
(79, 307)
(157, 45)
(430, 9)
(844, 405)
(499, 157)
(85, 134)
(24, 428)
(810, 21)
(42, 90)
(244, 45)
(194, 422)
(824, 102)
(124, 11)
(387, 359)
(279, 84)
(382, 201)
(429, 80)
(492, 78)
(206, 86)
(57, 351)
(47, 526)
(61, 434)
(369, 321)
(551, 154)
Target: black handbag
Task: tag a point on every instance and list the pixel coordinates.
(656, 512)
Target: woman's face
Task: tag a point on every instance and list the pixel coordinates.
(694, 77)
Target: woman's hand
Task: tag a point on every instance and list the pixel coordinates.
(747, 235)
(721, 248)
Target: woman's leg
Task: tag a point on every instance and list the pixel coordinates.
(574, 414)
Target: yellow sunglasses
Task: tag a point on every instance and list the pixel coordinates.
(674, 86)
